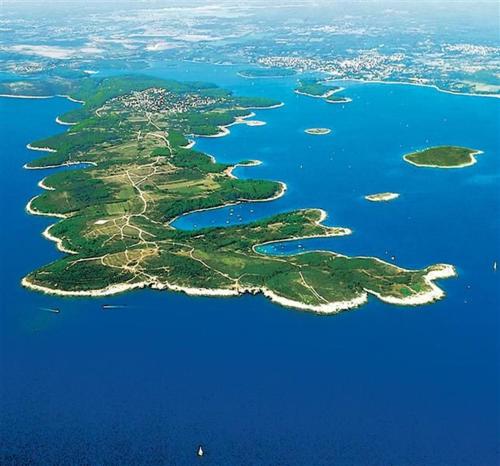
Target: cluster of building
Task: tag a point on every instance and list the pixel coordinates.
(28, 67)
(159, 100)
(369, 64)
(471, 49)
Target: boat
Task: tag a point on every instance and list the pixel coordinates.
(495, 266)
(54, 310)
(200, 451)
(112, 306)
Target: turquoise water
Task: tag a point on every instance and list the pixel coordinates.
(252, 382)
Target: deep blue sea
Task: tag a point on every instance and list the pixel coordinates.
(255, 383)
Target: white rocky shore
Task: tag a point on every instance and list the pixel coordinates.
(435, 293)
(242, 120)
(40, 149)
(59, 242)
(64, 123)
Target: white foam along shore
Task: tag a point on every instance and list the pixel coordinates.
(29, 208)
(439, 271)
(59, 242)
(41, 184)
(64, 123)
(40, 149)
(332, 231)
(333, 307)
(472, 161)
(319, 96)
(12, 96)
(326, 95)
(20, 96)
(435, 293)
(65, 164)
(190, 144)
(329, 308)
(250, 163)
(72, 99)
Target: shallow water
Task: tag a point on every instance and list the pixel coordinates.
(252, 382)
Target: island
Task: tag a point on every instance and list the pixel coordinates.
(267, 73)
(318, 89)
(138, 173)
(443, 157)
(318, 131)
(381, 197)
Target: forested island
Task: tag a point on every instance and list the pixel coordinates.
(443, 157)
(139, 172)
(318, 89)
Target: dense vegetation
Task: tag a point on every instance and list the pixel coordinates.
(314, 88)
(118, 212)
(443, 156)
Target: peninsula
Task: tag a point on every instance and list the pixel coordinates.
(381, 197)
(443, 157)
(267, 73)
(138, 174)
(318, 89)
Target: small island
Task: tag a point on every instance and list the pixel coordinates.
(138, 173)
(318, 131)
(443, 157)
(381, 197)
(337, 99)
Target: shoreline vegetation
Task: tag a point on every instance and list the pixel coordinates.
(138, 176)
(443, 157)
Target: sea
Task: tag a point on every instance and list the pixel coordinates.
(158, 374)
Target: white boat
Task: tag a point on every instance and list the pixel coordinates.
(200, 451)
